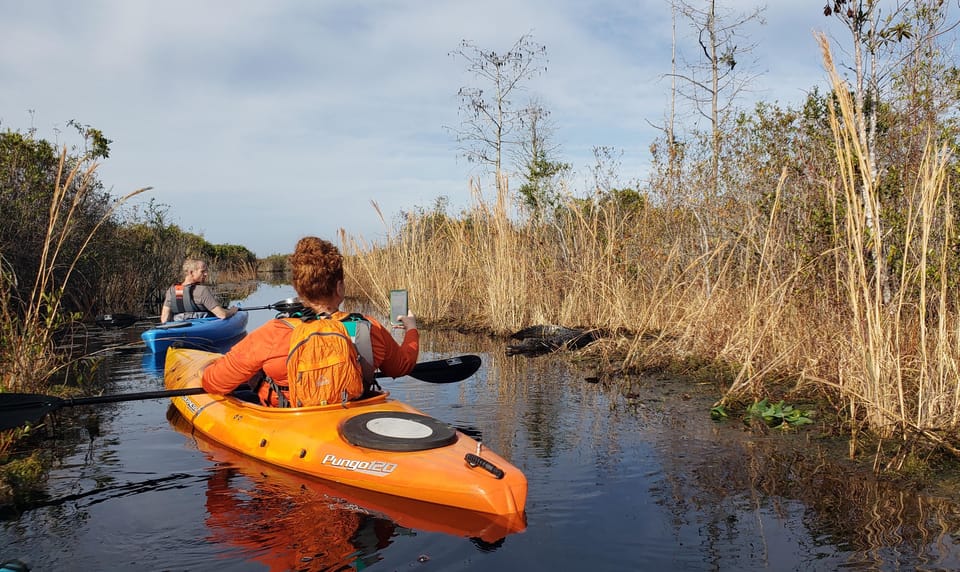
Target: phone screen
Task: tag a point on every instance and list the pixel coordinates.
(398, 305)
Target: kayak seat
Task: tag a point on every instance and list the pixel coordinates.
(247, 395)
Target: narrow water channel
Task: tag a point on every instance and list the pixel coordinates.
(642, 481)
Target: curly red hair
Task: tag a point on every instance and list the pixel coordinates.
(316, 266)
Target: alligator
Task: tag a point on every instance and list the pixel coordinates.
(541, 339)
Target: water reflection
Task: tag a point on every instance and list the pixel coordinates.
(285, 531)
(237, 290)
(783, 501)
(697, 495)
(292, 522)
(153, 363)
(630, 476)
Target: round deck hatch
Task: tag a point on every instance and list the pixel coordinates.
(397, 431)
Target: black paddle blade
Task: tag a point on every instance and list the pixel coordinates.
(18, 409)
(448, 370)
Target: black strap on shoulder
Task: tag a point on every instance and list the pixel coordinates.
(183, 300)
(311, 316)
(188, 299)
(176, 299)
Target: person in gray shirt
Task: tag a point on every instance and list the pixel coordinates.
(192, 298)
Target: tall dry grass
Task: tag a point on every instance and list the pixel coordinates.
(28, 358)
(429, 258)
(901, 376)
(27, 327)
(737, 296)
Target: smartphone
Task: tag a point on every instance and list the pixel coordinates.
(398, 305)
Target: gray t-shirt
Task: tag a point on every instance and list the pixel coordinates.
(202, 296)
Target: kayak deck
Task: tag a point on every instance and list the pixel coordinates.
(446, 466)
(269, 479)
(200, 333)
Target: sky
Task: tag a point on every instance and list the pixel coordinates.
(256, 123)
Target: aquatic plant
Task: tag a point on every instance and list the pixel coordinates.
(778, 414)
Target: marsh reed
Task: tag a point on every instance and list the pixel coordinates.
(28, 358)
(757, 309)
(28, 326)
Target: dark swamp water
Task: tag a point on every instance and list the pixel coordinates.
(642, 481)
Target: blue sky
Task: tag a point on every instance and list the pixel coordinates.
(260, 122)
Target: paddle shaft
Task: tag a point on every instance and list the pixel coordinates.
(70, 402)
(17, 409)
(129, 319)
(456, 368)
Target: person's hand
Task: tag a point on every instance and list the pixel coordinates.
(409, 321)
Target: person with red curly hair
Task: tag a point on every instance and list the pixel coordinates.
(317, 275)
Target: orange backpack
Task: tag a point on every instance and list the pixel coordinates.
(323, 365)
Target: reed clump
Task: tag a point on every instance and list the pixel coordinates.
(27, 356)
(785, 292)
(28, 327)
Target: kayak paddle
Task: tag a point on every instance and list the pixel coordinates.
(122, 320)
(17, 409)
(448, 370)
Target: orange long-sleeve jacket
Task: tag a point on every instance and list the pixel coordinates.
(266, 349)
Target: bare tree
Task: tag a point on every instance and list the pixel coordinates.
(672, 144)
(714, 85)
(488, 117)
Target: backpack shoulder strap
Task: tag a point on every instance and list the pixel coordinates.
(359, 328)
(275, 387)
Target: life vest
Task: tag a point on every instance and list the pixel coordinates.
(329, 361)
(182, 302)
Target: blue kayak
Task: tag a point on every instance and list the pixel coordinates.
(203, 333)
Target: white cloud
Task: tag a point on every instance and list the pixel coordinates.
(258, 122)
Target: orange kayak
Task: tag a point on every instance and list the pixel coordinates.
(326, 501)
(377, 444)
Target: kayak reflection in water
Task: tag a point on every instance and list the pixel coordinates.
(292, 522)
(303, 532)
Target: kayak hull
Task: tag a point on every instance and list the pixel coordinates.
(202, 333)
(269, 479)
(456, 471)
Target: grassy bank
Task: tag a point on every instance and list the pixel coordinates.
(805, 271)
(67, 256)
(786, 295)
